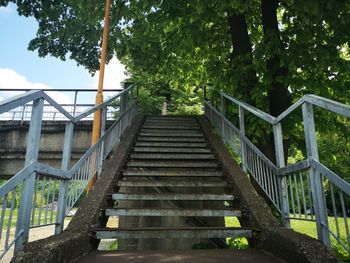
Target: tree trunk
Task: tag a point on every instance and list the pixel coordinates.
(279, 96)
(242, 55)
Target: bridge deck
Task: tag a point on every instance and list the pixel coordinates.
(183, 256)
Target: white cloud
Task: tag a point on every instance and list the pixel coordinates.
(5, 9)
(114, 74)
(10, 79)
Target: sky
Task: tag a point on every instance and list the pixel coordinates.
(21, 68)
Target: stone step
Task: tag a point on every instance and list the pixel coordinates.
(181, 232)
(173, 156)
(163, 118)
(171, 135)
(170, 150)
(170, 131)
(171, 212)
(173, 173)
(167, 139)
(173, 196)
(170, 183)
(175, 126)
(172, 144)
(173, 164)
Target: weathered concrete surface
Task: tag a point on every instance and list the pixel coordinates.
(284, 243)
(14, 137)
(183, 256)
(75, 240)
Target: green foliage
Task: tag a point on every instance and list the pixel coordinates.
(149, 104)
(238, 243)
(113, 246)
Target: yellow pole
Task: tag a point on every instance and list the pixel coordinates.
(96, 128)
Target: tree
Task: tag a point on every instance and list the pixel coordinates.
(265, 52)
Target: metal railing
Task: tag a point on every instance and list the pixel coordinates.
(297, 191)
(50, 113)
(41, 195)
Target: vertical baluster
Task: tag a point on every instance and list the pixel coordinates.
(291, 194)
(344, 216)
(334, 210)
(274, 178)
(47, 200)
(3, 212)
(43, 183)
(53, 200)
(9, 222)
(303, 194)
(35, 199)
(297, 194)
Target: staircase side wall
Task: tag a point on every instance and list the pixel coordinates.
(284, 243)
(76, 241)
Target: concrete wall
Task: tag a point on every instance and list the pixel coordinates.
(14, 137)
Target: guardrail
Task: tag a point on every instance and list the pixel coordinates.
(297, 191)
(50, 113)
(40, 195)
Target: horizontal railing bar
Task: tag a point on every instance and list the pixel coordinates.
(301, 218)
(259, 113)
(19, 100)
(65, 90)
(100, 106)
(336, 107)
(49, 171)
(298, 167)
(333, 177)
(42, 225)
(14, 181)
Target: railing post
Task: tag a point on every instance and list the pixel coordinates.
(32, 154)
(123, 107)
(282, 184)
(63, 191)
(242, 130)
(223, 113)
(315, 178)
(103, 130)
(75, 102)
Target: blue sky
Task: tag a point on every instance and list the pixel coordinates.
(22, 68)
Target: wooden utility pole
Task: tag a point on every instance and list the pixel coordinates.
(96, 128)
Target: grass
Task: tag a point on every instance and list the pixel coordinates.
(36, 217)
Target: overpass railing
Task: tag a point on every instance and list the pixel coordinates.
(41, 195)
(50, 113)
(297, 191)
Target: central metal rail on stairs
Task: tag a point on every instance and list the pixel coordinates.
(41, 195)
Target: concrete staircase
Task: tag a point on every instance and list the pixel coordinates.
(172, 166)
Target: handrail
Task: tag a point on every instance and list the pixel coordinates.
(336, 107)
(100, 106)
(18, 100)
(259, 113)
(59, 187)
(297, 188)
